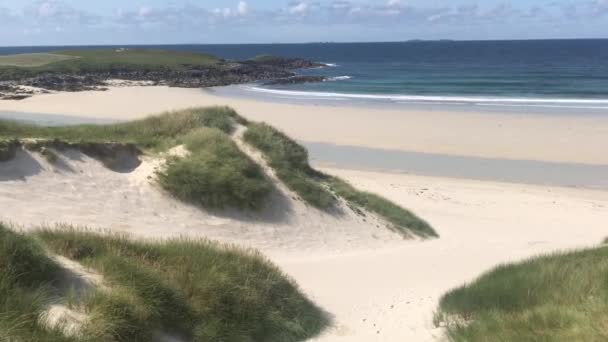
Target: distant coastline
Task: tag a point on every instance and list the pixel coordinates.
(25, 75)
(561, 75)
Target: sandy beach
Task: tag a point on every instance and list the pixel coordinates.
(576, 139)
(376, 286)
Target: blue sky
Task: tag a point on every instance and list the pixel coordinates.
(74, 22)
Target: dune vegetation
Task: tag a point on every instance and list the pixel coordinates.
(158, 132)
(290, 162)
(559, 297)
(27, 276)
(402, 220)
(189, 290)
(214, 173)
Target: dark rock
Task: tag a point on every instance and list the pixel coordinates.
(226, 73)
(297, 80)
(8, 150)
(14, 96)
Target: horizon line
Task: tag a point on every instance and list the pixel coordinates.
(310, 43)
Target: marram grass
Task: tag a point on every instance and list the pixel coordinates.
(561, 297)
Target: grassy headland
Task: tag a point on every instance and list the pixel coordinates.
(105, 60)
(194, 290)
(80, 70)
(290, 162)
(560, 297)
(32, 59)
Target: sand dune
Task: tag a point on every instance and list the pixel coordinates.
(81, 191)
(377, 286)
(391, 294)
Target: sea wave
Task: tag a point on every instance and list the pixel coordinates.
(330, 65)
(561, 102)
(339, 78)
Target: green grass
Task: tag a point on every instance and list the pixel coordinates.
(27, 276)
(33, 59)
(105, 60)
(559, 297)
(403, 221)
(196, 290)
(290, 162)
(216, 174)
(158, 132)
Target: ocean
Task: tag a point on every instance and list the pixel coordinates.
(567, 74)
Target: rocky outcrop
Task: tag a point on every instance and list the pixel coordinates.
(8, 150)
(297, 80)
(266, 68)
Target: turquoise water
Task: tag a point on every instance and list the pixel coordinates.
(532, 74)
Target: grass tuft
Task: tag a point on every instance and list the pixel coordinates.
(216, 173)
(158, 132)
(560, 297)
(290, 162)
(196, 290)
(190, 290)
(403, 221)
(27, 277)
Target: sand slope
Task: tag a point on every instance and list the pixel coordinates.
(79, 190)
(390, 294)
(377, 286)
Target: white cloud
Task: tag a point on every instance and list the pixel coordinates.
(373, 14)
(47, 8)
(242, 8)
(298, 8)
(144, 11)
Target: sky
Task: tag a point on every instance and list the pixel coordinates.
(92, 22)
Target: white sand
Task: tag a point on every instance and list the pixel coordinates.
(377, 286)
(536, 137)
(391, 294)
(79, 190)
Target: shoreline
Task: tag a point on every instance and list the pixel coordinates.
(363, 158)
(489, 105)
(561, 138)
